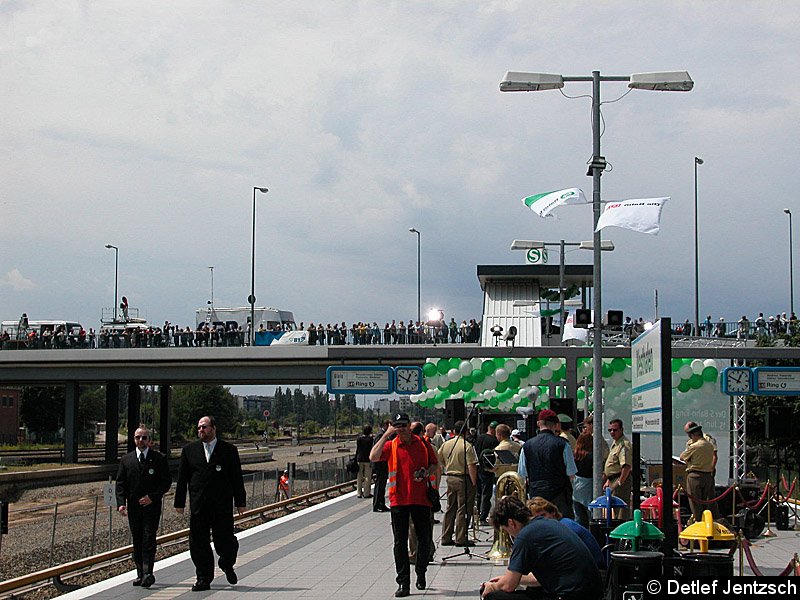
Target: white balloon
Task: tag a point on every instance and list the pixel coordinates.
(545, 373)
(431, 393)
(710, 362)
(453, 375)
(510, 365)
(676, 379)
(685, 371)
(490, 382)
(554, 363)
(465, 368)
(698, 366)
(501, 375)
(476, 363)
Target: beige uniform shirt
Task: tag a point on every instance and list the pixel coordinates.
(509, 445)
(570, 438)
(452, 454)
(620, 454)
(699, 456)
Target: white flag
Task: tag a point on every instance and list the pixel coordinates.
(642, 215)
(574, 333)
(542, 204)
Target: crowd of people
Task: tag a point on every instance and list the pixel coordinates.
(410, 332)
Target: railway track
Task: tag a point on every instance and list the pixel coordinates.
(76, 574)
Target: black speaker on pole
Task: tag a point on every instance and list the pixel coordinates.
(778, 423)
(453, 411)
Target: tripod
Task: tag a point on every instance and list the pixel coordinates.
(466, 482)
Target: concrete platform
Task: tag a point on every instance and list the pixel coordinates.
(341, 549)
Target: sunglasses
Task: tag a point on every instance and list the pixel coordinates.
(140, 437)
(613, 429)
(203, 426)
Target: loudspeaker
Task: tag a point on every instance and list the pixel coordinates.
(453, 411)
(614, 318)
(583, 318)
(562, 406)
(750, 522)
(778, 422)
(782, 517)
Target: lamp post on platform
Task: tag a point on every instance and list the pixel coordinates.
(678, 81)
(419, 274)
(252, 298)
(697, 161)
(791, 265)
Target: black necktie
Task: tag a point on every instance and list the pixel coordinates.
(141, 458)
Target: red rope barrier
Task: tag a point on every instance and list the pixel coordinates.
(754, 505)
(713, 500)
(790, 568)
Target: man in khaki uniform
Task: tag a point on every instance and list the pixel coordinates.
(564, 422)
(699, 459)
(458, 458)
(618, 467)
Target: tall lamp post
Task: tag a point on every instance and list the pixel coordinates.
(791, 265)
(116, 273)
(252, 298)
(212, 288)
(419, 274)
(678, 81)
(697, 161)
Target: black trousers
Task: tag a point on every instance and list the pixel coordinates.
(421, 517)
(485, 489)
(143, 522)
(201, 525)
(381, 470)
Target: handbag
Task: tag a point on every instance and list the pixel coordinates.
(433, 497)
(352, 465)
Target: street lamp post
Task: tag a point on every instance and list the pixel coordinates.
(116, 273)
(697, 161)
(530, 82)
(212, 288)
(419, 274)
(252, 298)
(791, 265)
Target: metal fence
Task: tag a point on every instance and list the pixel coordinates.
(61, 531)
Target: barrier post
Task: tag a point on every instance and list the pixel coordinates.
(769, 533)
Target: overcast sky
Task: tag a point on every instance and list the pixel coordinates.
(147, 125)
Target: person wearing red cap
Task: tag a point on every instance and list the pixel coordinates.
(548, 465)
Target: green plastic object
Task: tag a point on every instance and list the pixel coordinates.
(637, 530)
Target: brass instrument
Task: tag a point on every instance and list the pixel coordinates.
(509, 484)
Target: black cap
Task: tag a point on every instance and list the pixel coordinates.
(401, 418)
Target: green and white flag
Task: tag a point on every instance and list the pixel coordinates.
(542, 204)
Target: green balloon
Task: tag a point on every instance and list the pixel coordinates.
(465, 384)
(501, 387)
(523, 371)
(443, 386)
(469, 396)
(534, 364)
(618, 364)
(499, 362)
(710, 374)
(429, 369)
(581, 394)
(684, 386)
(695, 381)
(477, 376)
(559, 374)
(454, 388)
(512, 381)
(488, 367)
(607, 371)
(493, 402)
(454, 363)
(443, 366)
(676, 364)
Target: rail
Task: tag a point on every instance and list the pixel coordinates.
(18, 584)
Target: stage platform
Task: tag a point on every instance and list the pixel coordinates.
(341, 549)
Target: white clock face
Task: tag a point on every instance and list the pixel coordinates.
(738, 381)
(407, 380)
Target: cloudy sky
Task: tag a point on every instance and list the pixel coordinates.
(146, 126)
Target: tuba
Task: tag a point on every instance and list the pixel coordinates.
(509, 484)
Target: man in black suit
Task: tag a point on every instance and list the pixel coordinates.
(142, 480)
(211, 470)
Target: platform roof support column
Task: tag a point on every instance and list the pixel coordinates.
(165, 395)
(72, 393)
(134, 406)
(112, 421)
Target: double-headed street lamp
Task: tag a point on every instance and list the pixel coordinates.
(697, 161)
(116, 273)
(252, 298)
(676, 81)
(605, 245)
(791, 265)
(419, 276)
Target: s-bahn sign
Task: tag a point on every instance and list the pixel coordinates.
(359, 380)
(776, 381)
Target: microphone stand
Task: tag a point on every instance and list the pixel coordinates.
(466, 551)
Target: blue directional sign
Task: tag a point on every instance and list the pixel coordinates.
(359, 380)
(776, 381)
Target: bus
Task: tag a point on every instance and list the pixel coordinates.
(44, 334)
(272, 319)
